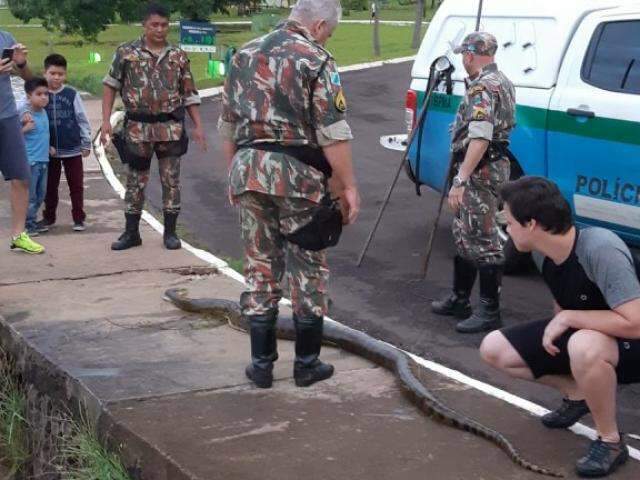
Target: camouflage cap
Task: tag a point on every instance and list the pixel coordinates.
(480, 43)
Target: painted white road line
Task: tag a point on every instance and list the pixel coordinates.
(521, 403)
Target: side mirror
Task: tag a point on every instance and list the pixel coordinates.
(443, 65)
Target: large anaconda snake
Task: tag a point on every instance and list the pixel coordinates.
(376, 351)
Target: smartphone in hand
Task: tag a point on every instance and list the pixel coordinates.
(7, 53)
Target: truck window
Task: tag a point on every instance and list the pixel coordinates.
(612, 61)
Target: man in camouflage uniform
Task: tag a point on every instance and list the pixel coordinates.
(156, 85)
(282, 104)
(484, 121)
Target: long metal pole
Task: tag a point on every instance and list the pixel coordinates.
(434, 228)
(421, 118)
(479, 15)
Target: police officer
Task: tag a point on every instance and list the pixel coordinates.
(156, 85)
(284, 129)
(480, 138)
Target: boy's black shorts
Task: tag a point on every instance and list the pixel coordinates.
(526, 338)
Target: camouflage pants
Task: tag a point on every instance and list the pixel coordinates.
(475, 228)
(264, 220)
(169, 166)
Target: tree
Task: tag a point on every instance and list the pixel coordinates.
(89, 17)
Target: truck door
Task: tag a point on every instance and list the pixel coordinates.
(593, 140)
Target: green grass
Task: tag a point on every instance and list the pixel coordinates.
(236, 264)
(13, 425)
(89, 458)
(350, 44)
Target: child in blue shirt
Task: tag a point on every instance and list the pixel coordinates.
(35, 127)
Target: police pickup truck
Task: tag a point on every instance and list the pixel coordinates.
(576, 68)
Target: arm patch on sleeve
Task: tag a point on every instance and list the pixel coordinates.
(340, 101)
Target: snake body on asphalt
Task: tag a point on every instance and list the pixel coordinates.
(376, 351)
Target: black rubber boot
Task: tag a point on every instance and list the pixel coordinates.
(171, 240)
(308, 369)
(457, 304)
(131, 236)
(262, 329)
(487, 316)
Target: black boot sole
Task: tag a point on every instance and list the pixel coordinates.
(307, 381)
(459, 314)
(260, 381)
(176, 246)
(485, 327)
(117, 248)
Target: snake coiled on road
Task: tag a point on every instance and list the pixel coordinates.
(376, 351)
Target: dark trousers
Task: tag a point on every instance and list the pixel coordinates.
(74, 172)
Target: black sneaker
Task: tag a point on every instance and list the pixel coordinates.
(602, 459)
(42, 226)
(566, 415)
(79, 227)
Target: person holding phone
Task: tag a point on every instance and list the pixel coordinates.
(13, 155)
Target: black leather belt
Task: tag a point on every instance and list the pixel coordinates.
(312, 156)
(176, 115)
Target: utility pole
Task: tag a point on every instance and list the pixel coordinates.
(375, 13)
(417, 27)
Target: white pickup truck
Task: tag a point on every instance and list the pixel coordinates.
(576, 68)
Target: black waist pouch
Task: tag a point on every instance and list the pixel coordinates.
(121, 146)
(325, 227)
(323, 230)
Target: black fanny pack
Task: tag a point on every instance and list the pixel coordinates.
(325, 227)
(312, 156)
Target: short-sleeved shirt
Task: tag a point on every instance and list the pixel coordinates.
(36, 140)
(487, 110)
(152, 84)
(282, 88)
(598, 275)
(7, 102)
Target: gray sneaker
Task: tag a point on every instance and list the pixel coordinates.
(566, 414)
(602, 459)
(79, 227)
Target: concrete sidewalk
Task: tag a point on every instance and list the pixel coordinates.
(168, 387)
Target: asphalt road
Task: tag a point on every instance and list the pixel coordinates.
(386, 296)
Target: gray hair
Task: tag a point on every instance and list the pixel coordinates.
(309, 11)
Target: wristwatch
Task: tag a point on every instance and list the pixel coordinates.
(458, 182)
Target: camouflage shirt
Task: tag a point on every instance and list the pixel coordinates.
(487, 110)
(152, 84)
(283, 87)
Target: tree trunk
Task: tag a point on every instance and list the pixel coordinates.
(417, 27)
(376, 30)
